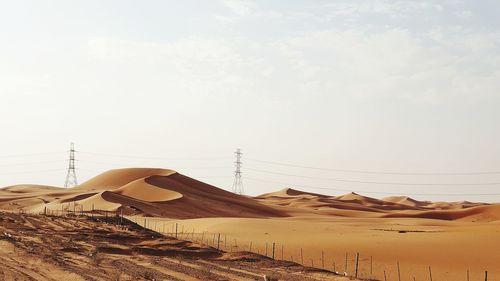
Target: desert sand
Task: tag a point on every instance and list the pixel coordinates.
(449, 237)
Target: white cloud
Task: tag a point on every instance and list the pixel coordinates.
(240, 7)
(394, 64)
(355, 9)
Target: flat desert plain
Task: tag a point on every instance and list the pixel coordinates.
(446, 239)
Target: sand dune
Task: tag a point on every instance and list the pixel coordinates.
(404, 200)
(149, 192)
(344, 223)
(119, 177)
(166, 193)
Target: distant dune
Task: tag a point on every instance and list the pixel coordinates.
(166, 193)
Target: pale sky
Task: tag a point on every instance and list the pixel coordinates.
(389, 86)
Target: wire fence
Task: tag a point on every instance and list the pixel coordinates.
(351, 264)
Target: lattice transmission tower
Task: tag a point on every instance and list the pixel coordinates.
(237, 183)
(71, 176)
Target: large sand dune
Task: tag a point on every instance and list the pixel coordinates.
(166, 193)
(151, 192)
(449, 236)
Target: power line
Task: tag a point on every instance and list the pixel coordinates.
(150, 157)
(376, 182)
(374, 192)
(31, 154)
(31, 163)
(31, 172)
(377, 172)
(121, 164)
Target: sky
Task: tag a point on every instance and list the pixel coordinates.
(378, 97)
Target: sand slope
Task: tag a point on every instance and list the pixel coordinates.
(166, 193)
(138, 191)
(298, 203)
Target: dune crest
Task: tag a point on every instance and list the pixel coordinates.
(117, 178)
(166, 193)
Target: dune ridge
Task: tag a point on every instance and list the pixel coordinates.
(167, 193)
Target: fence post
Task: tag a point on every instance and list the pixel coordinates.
(175, 230)
(44, 211)
(385, 276)
(266, 249)
(250, 246)
(301, 257)
(430, 273)
(486, 275)
(322, 260)
(371, 266)
(399, 273)
(273, 250)
(357, 263)
(282, 250)
(467, 275)
(218, 242)
(334, 269)
(345, 263)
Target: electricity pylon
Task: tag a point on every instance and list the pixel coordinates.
(237, 183)
(71, 176)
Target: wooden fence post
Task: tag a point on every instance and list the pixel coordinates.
(345, 270)
(218, 241)
(175, 230)
(385, 276)
(322, 260)
(266, 249)
(250, 246)
(273, 250)
(399, 273)
(357, 263)
(486, 275)
(282, 250)
(44, 211)
(301, 257)
(371, 266)
(430, 273)
(467, 275)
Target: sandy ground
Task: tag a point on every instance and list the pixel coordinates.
(313, 229)
(450, 248)
(34, 247)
